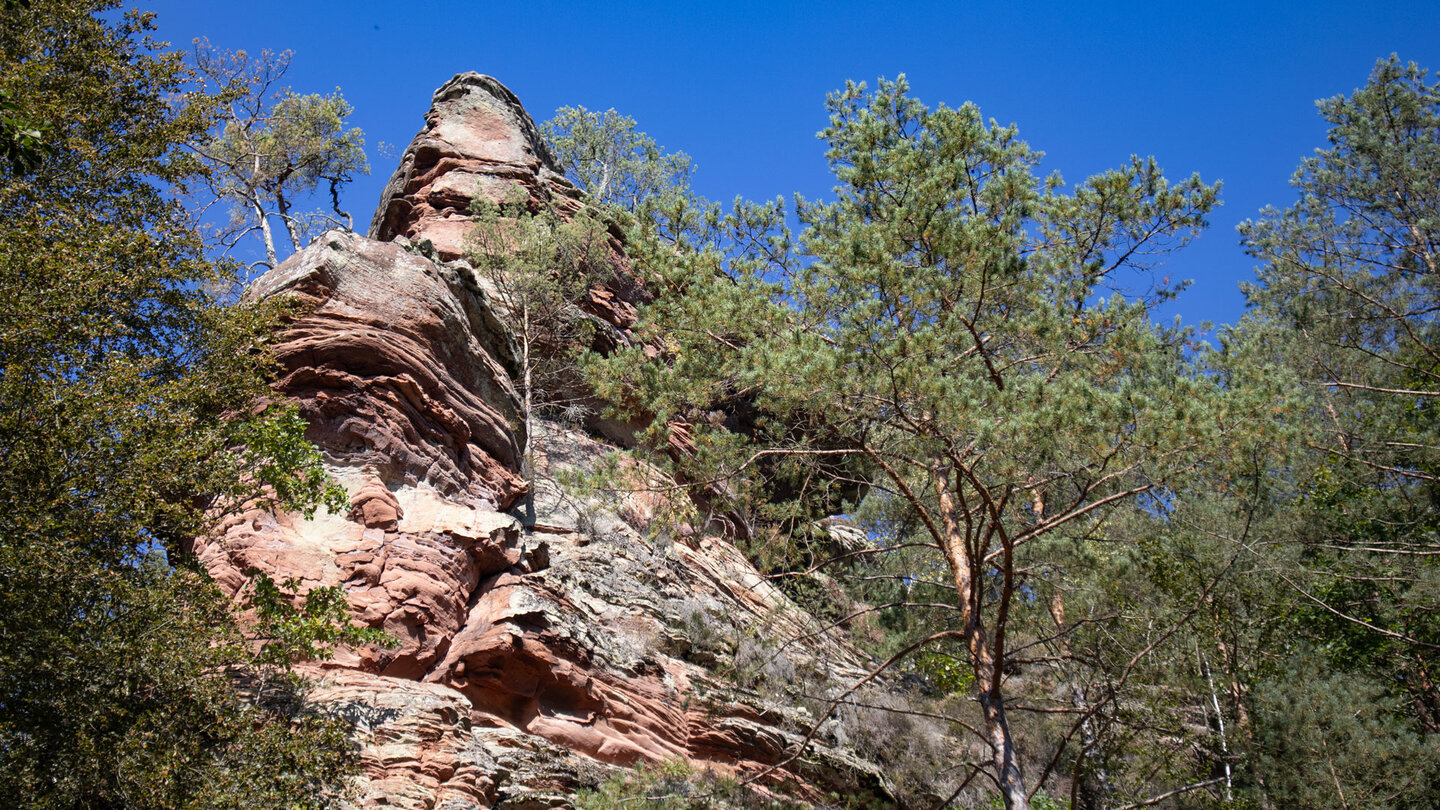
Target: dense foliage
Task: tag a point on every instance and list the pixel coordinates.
(1346, 303)
(614, 163)
(273, 148)
(1117, 567)
(959, 323)
(128, 423)
(1203, 575)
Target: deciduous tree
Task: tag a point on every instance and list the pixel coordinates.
(129, 419)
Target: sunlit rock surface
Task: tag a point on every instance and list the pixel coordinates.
(477, 142)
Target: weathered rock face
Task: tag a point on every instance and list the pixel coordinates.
(400, 364)
(544, 638)
(477, 142)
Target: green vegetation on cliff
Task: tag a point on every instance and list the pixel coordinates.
(1162, 568)
(1110, 565)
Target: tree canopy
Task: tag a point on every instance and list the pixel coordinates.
(272, 148)
(128, 422)
(608, 158)
(1345, 308)
(956, 325)
(1244, 532)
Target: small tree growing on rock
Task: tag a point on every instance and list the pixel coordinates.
(541, 268)
(274, 148)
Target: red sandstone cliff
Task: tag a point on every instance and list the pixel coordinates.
(535, 655)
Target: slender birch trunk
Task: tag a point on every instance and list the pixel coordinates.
(265, 234)
(527, 394)
(260, 217)
(1220, 720)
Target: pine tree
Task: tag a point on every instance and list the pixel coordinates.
(955, 326)
(540, 266)
(272, 148)
(1345, 306)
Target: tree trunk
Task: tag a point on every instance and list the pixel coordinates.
(1085, 791)
(1002, 746)
(265, 234)
(1220, 721)
(260, 218)
(1243, 727)
(284, 206)
(335, 204)
(604, 183)
(527, 394)
(984, 661)
(1424, 697)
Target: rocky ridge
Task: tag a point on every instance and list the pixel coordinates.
(545, 639)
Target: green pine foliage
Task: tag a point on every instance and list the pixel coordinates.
(1347, 585)
(273, 148)
(953, 326)
(1214, 564)
(540, 267)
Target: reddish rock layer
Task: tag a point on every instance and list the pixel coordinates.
(477, 142)
(399, 364)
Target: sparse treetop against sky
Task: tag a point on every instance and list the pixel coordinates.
(1222, 88)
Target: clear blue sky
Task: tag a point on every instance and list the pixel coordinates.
(1223, 88)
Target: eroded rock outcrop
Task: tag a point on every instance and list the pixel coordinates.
(477, 142)
(544, 638)
(401, 364)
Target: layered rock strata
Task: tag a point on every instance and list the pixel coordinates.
(477, 142)
(545, 638)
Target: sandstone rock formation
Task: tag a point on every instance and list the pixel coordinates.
(545, 639)
(477, 141)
